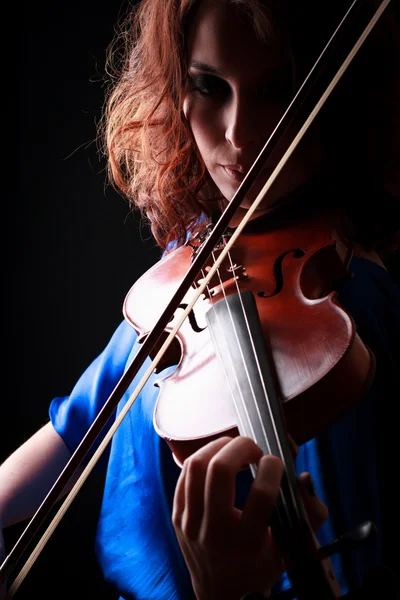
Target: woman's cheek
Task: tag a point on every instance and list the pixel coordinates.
(202, 118)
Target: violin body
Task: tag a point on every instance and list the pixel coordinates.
(322, 366)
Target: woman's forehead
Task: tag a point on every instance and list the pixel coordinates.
(225, 11)
(222, 35)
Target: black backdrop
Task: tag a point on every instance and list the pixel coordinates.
(70, 254)
(72, 250)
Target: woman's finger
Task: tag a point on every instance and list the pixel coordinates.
(263, 493)
(316, 510)
(188, 506)
(221, 478)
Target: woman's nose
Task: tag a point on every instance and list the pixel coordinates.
(242, 123)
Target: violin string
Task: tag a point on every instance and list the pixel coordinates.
(249, 423)
(253, 393)
(213, 269)
(250, 427)
(242, 424)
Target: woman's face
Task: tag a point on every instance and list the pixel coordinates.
(237, 89)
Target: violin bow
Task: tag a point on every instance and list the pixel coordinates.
(297, 107)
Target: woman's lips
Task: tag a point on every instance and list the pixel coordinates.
(235, 172)
(238, 172)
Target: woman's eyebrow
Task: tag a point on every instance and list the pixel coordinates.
(204, 67)
(283, 71)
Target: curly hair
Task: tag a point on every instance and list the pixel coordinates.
(152, 157)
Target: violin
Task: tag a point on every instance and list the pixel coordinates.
(288, 271)
(290, 266)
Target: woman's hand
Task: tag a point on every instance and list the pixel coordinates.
(230, 552)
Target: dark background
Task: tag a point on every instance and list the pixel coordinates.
(70, 254)
(72, 250)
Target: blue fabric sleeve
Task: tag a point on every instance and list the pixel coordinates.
(71, 416)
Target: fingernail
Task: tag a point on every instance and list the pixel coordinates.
(310, 486)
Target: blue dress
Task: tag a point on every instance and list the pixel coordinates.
(135, 542)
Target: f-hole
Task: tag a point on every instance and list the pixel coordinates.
(192, 319)
(278, 271)
(171, 356)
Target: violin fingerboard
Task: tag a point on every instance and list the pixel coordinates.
(244, 354)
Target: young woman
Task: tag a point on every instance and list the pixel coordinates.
(202, 87)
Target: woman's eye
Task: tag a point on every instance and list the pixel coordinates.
(208, 85)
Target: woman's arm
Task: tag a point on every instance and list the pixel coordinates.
(28, 474)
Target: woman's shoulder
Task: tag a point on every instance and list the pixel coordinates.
(369, 275)
(372, 296)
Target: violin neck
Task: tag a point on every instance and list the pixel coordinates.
(243, 351)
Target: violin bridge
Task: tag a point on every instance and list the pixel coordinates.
(227, 275)
(229, 272)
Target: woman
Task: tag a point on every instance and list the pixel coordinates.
(201, 89)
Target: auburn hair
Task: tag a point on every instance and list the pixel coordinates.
(152, 157)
